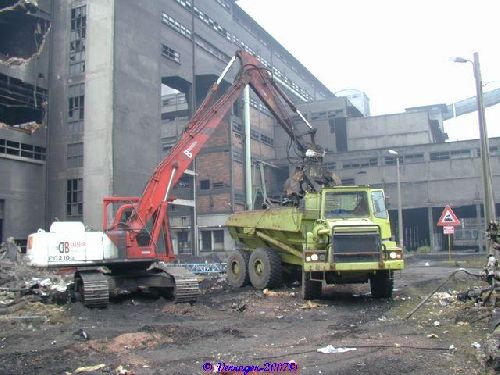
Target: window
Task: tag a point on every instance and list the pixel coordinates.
(76, 102)
(331, 166)
(218, 185)
(175, 25)
(204, 184)
(212, 240)
(211, 49)
(74, 155)
(346, 204)
(390, 160)
(237, 127)
(170, 53)
(74, 197)
(348, 181)
(218, 240)
(266, 140)
(183, 242)
(254, 134)
(168, 143)
(378, 200)
(413, 158)
(23, 150)
(77, 40)
(460, 154)
(440, 155)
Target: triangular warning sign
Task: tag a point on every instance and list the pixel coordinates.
(448, 218)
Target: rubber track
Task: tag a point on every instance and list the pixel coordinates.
(95, 291)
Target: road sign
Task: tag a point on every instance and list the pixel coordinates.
(448, 229)
(448, 218)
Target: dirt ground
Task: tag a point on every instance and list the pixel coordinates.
(245, 327)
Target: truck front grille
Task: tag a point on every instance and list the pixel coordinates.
(356, 247)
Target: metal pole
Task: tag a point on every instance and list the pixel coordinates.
(193, 111)
(248, 148)
(400, 207)
(489, 201)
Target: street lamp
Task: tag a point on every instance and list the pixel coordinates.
(400, 207)
(489, 201)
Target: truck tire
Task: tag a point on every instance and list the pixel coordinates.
(310, 289)
(237, 268)
(381, 284)
(264, 269)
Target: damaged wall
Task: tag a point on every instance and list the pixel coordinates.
(24, 61)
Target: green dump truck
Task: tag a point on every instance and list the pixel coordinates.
(339, 235)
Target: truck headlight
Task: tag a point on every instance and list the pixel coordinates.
(308, 258)
(314, 257)
(393, 255)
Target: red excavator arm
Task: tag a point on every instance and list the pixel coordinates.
(150, 209)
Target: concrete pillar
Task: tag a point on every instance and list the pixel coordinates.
(430, 222)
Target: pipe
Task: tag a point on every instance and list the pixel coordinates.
(248, 148)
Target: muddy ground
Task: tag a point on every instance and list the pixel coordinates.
(246, 327)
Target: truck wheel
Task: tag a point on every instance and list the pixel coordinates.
(381, 284)
(310, 289)
(237, 268)
(265, 269)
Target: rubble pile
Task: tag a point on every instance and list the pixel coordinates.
(20, 283)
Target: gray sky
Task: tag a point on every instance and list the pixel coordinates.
(396, 51)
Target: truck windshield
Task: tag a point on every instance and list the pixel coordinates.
(346, 204)
(379, 209)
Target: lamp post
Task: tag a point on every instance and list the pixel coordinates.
(400, 206)
(489, 201)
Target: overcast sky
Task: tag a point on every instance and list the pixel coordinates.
(396, 51)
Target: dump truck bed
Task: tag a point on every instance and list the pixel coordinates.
(267, 228)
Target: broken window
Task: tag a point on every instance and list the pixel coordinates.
(74, 197)
(74, 155)
(76, 102)
(21, 103)
(23, 31)
(77, 40)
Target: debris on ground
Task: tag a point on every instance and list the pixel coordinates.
(19, 282)
(476, 345)
(310, 305)
(120, 370)
(82, 369)
(271, 293)
(330, 349)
